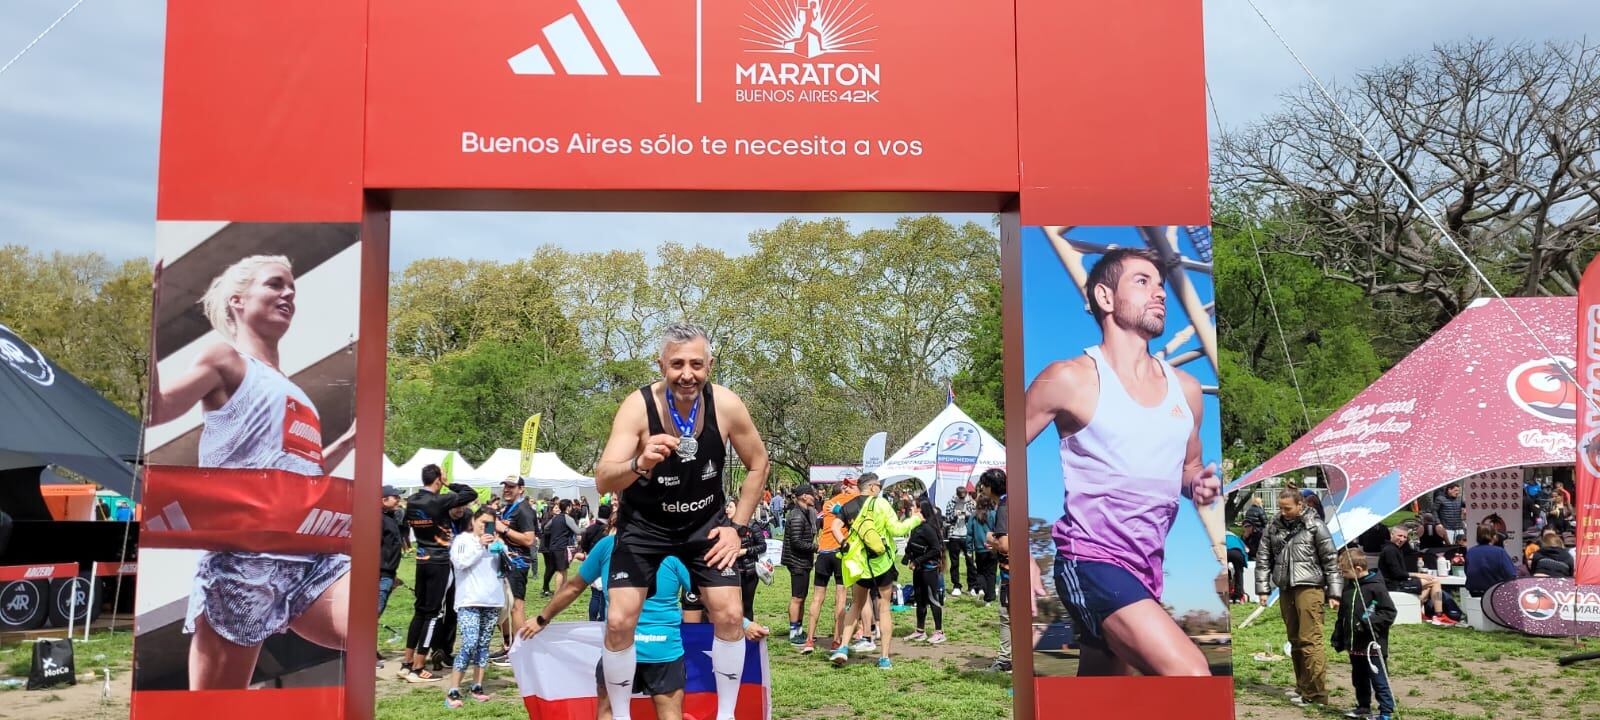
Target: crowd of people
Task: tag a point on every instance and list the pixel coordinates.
(1294, 552)
(668, 545)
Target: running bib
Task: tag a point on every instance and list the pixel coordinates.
(302, 431)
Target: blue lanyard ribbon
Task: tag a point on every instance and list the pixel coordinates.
(685, 427)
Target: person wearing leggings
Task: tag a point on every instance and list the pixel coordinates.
(925, 556)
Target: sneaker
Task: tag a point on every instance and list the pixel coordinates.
(423, 676)
(1442, 621)
(936, 638)
(918, 635)
(1358, 713)
(452, 699)
(478, 694)
(864, 646)
(808, 648)
(797, 636)
(502, 662)
(503, 654)
(955, 592)
(884, 663)
(1000, 666)
(380, 664)
(840, 656)
(405, 669)
(1291, 694)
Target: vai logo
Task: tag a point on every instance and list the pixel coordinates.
(25, 359)
(809, 28)
(577, 56)
(1544, 388)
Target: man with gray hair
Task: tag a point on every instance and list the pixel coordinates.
(666, 453)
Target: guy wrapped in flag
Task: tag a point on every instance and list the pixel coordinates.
(673, 677)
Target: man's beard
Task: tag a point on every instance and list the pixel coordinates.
(1146, 323)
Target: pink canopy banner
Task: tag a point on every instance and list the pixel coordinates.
(1480, 394)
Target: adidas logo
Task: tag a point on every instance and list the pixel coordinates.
(577, 56)
(1177, 411)
(171, 518)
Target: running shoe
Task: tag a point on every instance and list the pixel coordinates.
(808, 648)
(840, 656)
(478, 694)
(452, 700)
(864, 645)
(1000, 666)
(1358, 713)
(884, 663)
(936, 638)
(424, 676)
(955, 592)
(918, 635)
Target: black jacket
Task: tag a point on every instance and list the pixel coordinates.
(1367, 599)
(799, 538)
(392, 542)
(1555, 562)
(428, 514)
(923, 546)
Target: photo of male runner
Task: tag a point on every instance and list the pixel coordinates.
(665, 455)
(1129, 427)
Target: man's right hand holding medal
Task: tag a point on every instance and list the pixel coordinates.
(656, 449)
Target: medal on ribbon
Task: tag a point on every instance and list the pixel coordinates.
(687, 444)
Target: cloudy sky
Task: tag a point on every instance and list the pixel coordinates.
(80, 115)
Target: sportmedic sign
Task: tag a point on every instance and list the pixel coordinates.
(1587, 498)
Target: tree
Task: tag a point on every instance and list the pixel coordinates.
(84, 312)
(980, 384)
(1499, 141)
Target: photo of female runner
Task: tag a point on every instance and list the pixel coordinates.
(255, 417)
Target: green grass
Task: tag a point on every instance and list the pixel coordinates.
(1436, 673)
(951, 687)
(103, 649)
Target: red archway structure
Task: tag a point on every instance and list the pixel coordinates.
(1050, 112)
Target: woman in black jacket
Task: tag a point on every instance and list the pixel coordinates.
(1552, 558)
(925, 557)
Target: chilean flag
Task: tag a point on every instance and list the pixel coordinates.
(556, 674)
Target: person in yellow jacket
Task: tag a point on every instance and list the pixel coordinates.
(869, 560)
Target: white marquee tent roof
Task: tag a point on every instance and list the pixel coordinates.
(920, 458)
(409, 475)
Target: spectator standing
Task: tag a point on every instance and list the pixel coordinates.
(829, 568)
(924, 556)
(592, 535)
(1487, 563)
(799, 556)
(978, 525)
(1237, 559)
(992, 487)
(391, 545)
(518, 526)
(777, 510)
(956, 514)
(1451, 512)
(1362, 630)
(1299, 558)
(478, 600)
(428, 513)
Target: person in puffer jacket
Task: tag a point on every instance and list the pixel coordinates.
(1299, 558)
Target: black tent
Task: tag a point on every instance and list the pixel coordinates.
(49, 417)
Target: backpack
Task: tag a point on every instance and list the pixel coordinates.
(850, 514)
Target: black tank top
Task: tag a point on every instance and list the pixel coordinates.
(681, 495)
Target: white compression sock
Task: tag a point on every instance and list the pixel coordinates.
(618, 667)
(727, 663)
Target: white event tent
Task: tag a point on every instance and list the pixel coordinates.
(922, 457)
(409, 475)
(547, 473)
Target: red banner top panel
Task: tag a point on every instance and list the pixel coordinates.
(1112, 127)
(261, 114)
(9, 573)
(789, 95)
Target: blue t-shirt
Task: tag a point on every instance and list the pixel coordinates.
(1234, 543)
(659, 637)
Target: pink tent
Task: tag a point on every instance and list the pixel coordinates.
(1478, 395)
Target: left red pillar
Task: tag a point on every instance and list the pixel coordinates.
(262, 141)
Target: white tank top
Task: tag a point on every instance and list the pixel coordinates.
(1123, 474)
(268, 423)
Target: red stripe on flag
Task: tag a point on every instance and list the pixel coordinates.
(696, 706)
(245, 510)
(1587, 473)
(236, 704)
